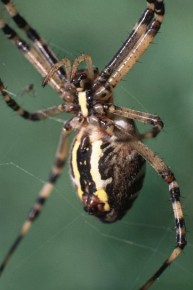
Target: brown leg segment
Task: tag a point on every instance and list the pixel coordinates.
(45, 192)
(162, 169)
(33, 35)
(35, 116)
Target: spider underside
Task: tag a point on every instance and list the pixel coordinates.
(107, 157)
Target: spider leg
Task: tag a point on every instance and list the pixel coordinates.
(143, 117)
(71, 70)
(115, 130)
(63, 62)
(109, 125)
(33, 35)
(45, 192)
(89, 65)
(35, 116)
(106, 124)
(162, 169)
(142, 44)
(127, 56)
(31, 55)
(139, 29)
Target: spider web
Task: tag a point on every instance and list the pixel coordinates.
(66, 248)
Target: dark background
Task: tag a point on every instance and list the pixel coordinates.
(66, 249)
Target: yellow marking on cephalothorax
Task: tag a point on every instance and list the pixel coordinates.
(96, 176)
(83, 103)
(102, 195)
(76, 178)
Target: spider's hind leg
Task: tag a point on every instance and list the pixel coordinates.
(162, 169)
(45, 192)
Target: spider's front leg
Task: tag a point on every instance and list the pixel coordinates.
(31, 55)
(162, 169)
(37, 41)
(135, 45)
(46, 190)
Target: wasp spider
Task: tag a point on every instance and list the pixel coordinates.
(108, 157)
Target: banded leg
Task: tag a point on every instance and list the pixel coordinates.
(31, 55)
(139, 29)
(33, 35)
(126, 60)
(142, 44)
(162, 169)
(45, 192)
(143, 117)
(35, 116)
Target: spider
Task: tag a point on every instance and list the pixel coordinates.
(107, 158)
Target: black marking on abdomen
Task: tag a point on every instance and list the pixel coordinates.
(83, 163)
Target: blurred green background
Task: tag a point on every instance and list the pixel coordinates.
(66, 248)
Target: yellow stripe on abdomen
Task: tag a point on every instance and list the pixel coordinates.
(76, 177)
(96, 176)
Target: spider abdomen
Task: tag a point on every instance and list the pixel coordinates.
(107, 173)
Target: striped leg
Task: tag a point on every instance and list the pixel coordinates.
(143, 117)
(35, 116)
(33, 35)
(133, 48)
(129, 60)
(130, 42)
(45, 192)
(31, 55)
(162, 169)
